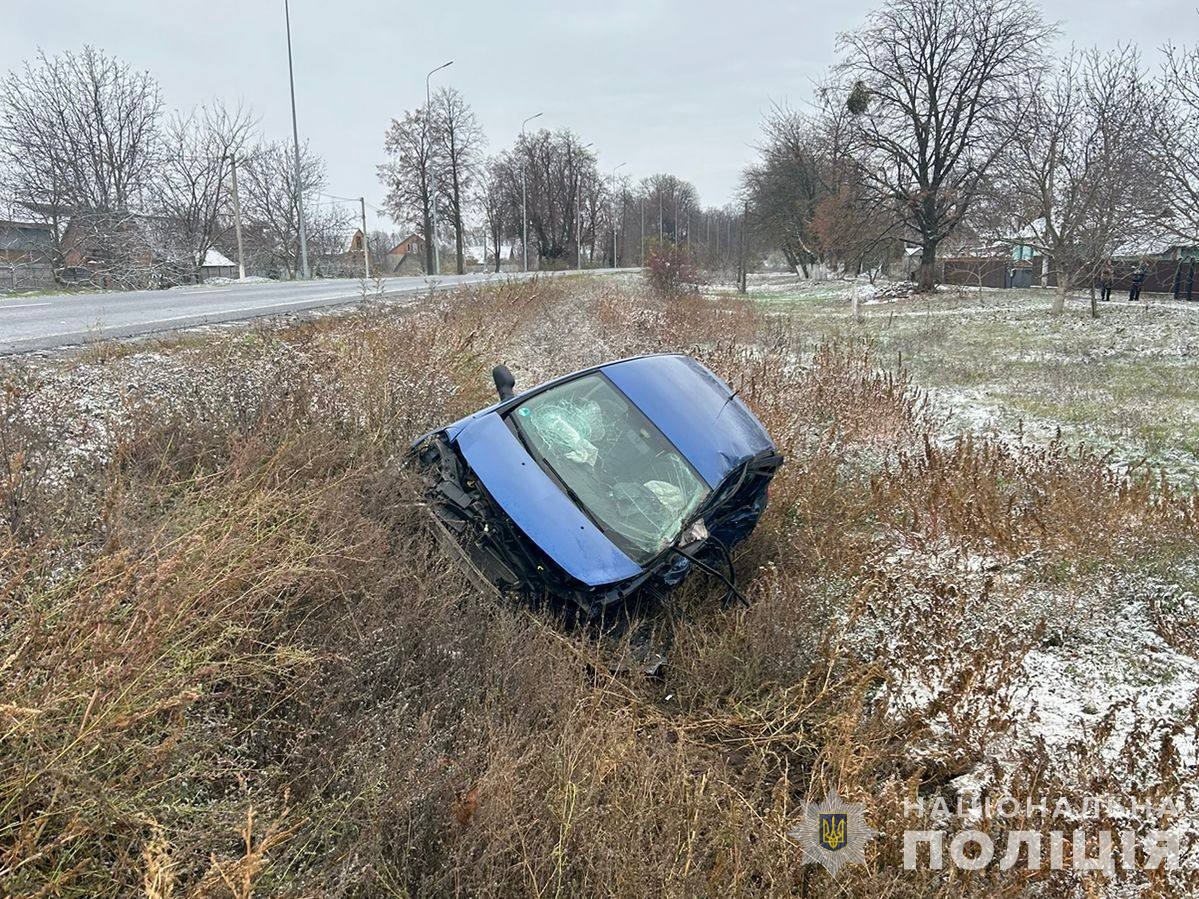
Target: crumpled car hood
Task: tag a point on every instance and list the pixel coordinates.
(533, 501)
(693, 408)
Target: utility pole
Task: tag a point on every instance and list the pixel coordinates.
(524, 194)
(432, 172)
(295, 133)
(741, 273)
(366, 255)
(642, 260)
(659, 215)
(614, 212)
(579, 216)
(241, 255)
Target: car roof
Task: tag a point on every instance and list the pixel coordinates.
(694, 408)
(696, 411)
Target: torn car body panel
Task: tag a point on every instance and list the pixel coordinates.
(596, 485)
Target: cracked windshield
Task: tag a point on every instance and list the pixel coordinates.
(621, 469)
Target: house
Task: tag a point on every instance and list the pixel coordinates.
(216, 265)
(124, 249)
(26, 255)
(25, 242)
(407, 257)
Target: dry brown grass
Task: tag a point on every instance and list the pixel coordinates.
(234, 661)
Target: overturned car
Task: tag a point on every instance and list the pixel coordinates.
(601, 486)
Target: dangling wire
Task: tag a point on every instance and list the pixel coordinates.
(715, 572)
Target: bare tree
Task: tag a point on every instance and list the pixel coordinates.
(557, 168)
(853, 232)
(269, 205)
(934, 87)
(666, 199)
(193, 175)
(379, 244)
(408, 175)
(495, 208)
(1079, 166)
(785, 187)
(459, 141)
(78, 133)
(592, 203)
(1176, 141)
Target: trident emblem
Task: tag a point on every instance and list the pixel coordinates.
(832, 830)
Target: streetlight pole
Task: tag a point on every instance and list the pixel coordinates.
(524, 193)
(614, 170)
(295, 133)
(432, 172)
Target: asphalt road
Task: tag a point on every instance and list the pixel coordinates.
(35, 323)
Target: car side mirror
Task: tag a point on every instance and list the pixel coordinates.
(504, 382)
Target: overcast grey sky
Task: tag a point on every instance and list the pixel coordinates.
(664, 86)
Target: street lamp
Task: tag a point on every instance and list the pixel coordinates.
(614, 170)
(295, 133)
(524, 193)
(432, 171)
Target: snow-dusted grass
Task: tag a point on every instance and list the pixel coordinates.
(1001, 364)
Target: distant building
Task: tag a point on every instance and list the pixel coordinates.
(124, 249)
(407, 257)
(26, 255)
(1017, 261)
(25, 242)
(217, 265)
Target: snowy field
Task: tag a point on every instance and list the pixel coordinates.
(997, 363)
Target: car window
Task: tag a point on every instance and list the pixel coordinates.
(620, 468)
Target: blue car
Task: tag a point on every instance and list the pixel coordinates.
(600, 486)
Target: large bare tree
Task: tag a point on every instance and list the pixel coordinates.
(1177, 140)
(458, 142)
(494, 206)
(557, 169)
(1080, 167)
(934, 85)
(271, 213)
(192, 185)
(78, 136)
(668, 200)
(785, 187)
(408, 175)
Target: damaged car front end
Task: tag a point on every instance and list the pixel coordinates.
(604, 485)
